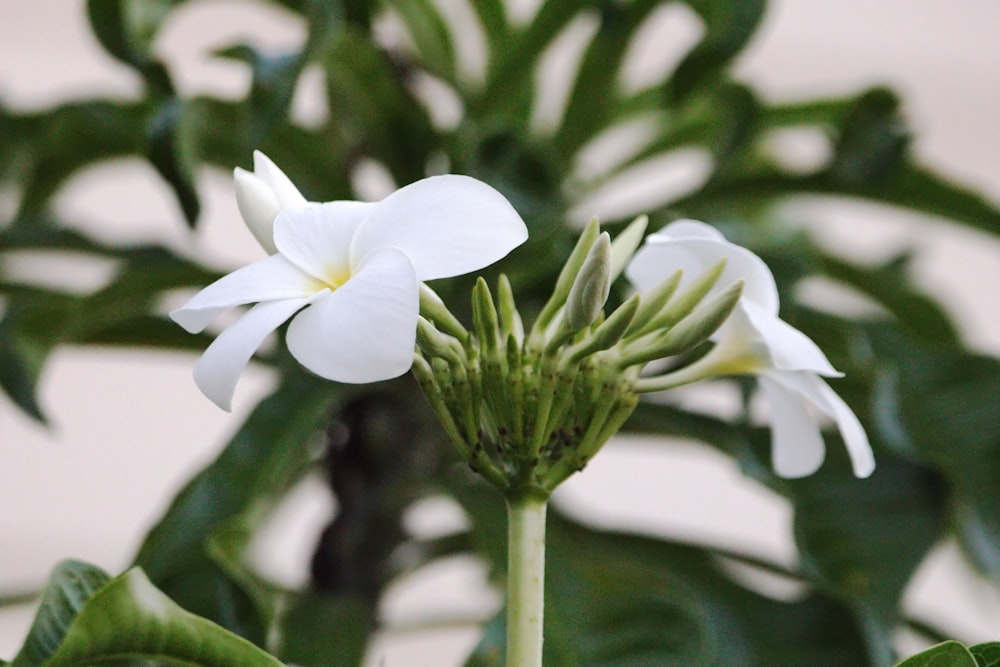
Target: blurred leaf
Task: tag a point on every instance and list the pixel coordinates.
(260, 463)
(890, 285)
(598, 75)
(945, 402)
(170, 152)
(862, 540)
(42, 150)
(326, 631)
(430, 34)
(31, 328)
(947, 654)
(872, 140)
(276, 77)
(728, 27)
(126, 28)
(38, 320)
(374, 109)
(87, 617)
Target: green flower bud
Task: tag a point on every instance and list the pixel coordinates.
(591, 287)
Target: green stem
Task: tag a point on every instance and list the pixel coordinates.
(525, 581)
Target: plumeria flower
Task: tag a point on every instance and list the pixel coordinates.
(347, 273)
(754, 341)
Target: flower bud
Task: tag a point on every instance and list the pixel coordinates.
(591, 287)
(625, 244)
(261, 196)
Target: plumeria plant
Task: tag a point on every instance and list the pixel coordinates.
(526, 408)
(469, 338)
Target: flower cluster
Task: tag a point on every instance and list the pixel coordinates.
(525, 407)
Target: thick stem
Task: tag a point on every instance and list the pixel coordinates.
(525, 581)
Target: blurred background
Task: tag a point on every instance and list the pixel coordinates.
(127, 427)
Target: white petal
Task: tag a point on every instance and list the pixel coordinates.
(688, 229)
(797, 446)
(823, 398)
(287, 194)
(789, 348)
(366, 330)
(664, 254)
(258, 206)
(448, 225)
(218, 370)
(271, 278)
(317, 237)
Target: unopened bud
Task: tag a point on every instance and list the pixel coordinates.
(258, 206)
(625, 244)
(262, 195)
(690, 332)
(591, 287)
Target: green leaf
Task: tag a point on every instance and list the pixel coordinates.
(947, 654)
(326, 630)
(86, 617)
(430, 34)
(375, 109)
(126, 28)
(41, 151)
(597, 78)
(862, 540)
(987, 655)
(276, 76)
(170, 151)
(945, 403)
(33, 325)
(728, 27)
(260, 463)
(889, 284)
(71, 584)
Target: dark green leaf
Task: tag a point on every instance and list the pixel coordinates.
(261, 461)
(86, 617)
(948, 654)
(70, 586)
(728, 27)
(987, 655)
(430, 34)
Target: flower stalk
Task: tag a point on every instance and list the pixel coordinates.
(525, 580)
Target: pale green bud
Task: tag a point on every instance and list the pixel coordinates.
(679, 308)
(591, 287)
(690, 332)
(609, 332)
(564, 283)
(625, 245)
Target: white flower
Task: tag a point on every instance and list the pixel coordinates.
(754, 341)
(351, 270)
(262, 195)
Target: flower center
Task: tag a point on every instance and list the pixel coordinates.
(333, 278)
